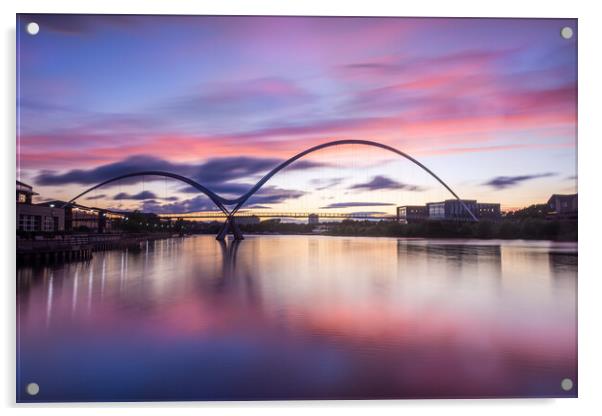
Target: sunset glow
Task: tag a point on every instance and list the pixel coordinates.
(474, 99)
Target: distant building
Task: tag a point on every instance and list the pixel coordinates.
(109, 220)
(24, 193)
(410, 213)
(39, 218)
(31, 217)
(563, 206)
(248, 220)
(451, 209)
(488, 210)
(322, 228)
(82, 218)
(313, 219)
(78, 217)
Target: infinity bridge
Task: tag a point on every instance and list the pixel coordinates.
(229, 214)
(269, 214)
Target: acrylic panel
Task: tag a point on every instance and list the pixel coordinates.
(283, 208)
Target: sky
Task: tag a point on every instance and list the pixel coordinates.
(489, 105)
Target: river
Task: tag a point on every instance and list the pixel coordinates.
(301, 317)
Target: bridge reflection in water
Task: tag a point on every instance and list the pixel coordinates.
(293, 317)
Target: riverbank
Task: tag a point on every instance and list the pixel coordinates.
(506, 229)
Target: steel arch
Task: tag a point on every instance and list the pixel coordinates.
(215, 198)
(242, 199)
(220, 201)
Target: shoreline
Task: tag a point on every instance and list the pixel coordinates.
(31, 253)
(405, 237)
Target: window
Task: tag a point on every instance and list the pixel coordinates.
(37, 223)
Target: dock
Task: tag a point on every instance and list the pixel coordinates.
(77, 247)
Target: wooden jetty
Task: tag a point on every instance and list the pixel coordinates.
(77, 247)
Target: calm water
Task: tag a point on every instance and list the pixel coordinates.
(293, 317)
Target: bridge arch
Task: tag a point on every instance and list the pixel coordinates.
(221, 202)
(215, 198)
(244, 198)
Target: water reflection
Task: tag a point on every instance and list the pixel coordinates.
(283, 317)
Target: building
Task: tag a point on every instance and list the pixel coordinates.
(110, 220)
(488, 210)
(451, 209)
(82, 218)
(77, 217)
(563, 206)
(322, 228)
(24, 193)
(412, 213)
(36, 217)
(313, 219)
(40, 218)
(247, 220)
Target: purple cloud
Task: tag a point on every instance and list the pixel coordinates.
(503, 182)
(325, 183)
(274, 195)
(403, 65)
(138, 197)
(225, 169)
(356, 204)
(111, 170)
(267, 195)
(217, 173)
(198, 203)
(382, 182)
(93, 197)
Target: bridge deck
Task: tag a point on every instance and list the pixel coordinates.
(246, 214)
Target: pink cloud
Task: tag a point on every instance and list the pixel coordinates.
(437, 134)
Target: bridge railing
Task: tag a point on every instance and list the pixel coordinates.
(247, 214)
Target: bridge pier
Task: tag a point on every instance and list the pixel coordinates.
(229, 225)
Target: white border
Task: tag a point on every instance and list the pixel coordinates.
(590, 137)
